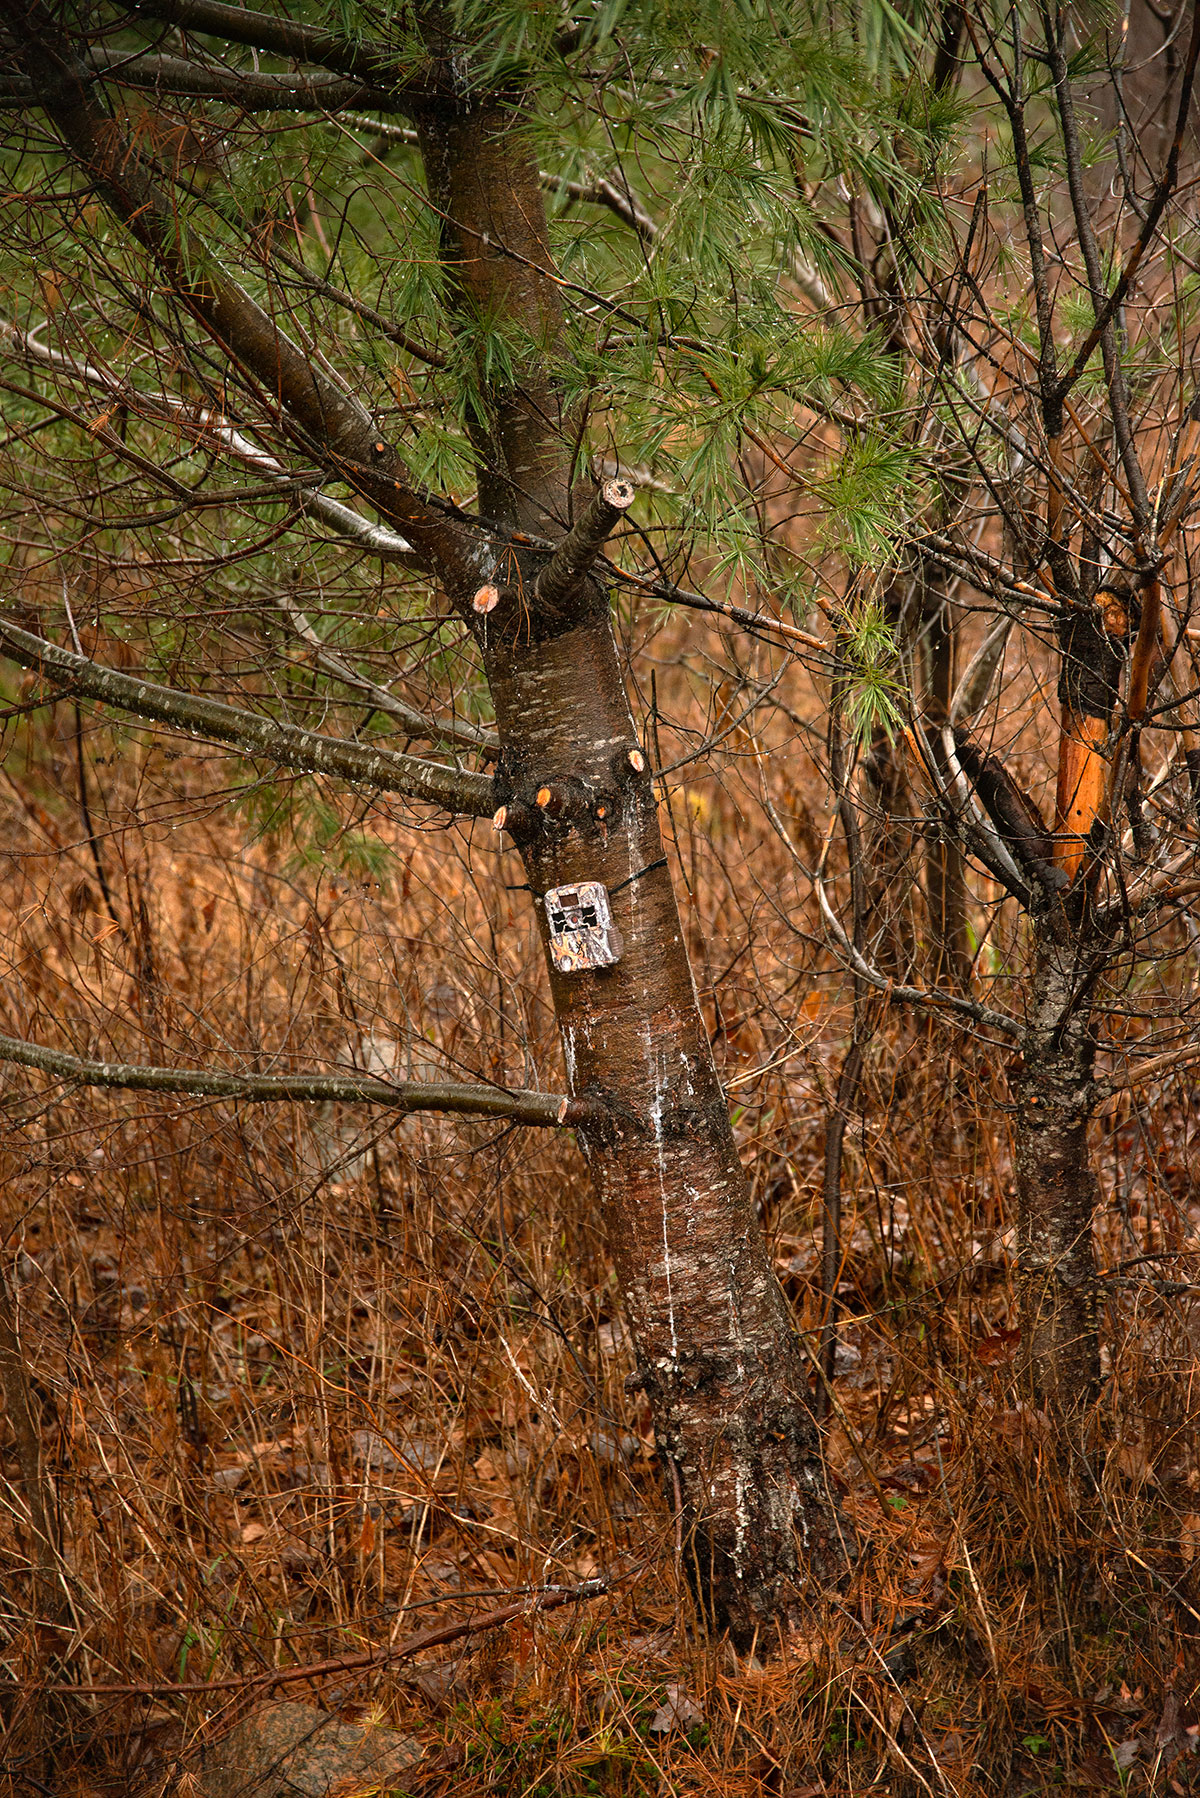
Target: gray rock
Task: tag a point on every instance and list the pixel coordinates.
(297, 1751)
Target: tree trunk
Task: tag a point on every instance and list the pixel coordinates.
(1056, 1186)
(944, 865)
(717, 1353)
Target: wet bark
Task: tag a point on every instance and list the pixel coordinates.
(717, 1352)
(1056, 1186)
(484, 182)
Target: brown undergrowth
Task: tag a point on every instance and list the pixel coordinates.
(311, 1381)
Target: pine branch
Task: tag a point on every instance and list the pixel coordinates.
(516, 1106)
(213, 431)
(620, 201)
(371, 63)
(324, 415)
(244, 88)
(287, 745)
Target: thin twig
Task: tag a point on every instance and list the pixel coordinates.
(550, 1598)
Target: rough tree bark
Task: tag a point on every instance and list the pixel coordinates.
(717, 1352)
(1057, 1190)
(1056, 1185)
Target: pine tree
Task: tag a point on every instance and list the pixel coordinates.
(518, 285)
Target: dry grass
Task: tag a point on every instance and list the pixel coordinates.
(309, 1382)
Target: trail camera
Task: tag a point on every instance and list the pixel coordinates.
(582, 933)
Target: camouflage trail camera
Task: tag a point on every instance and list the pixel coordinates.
(582, 933)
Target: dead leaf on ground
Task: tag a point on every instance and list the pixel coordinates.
(1132, 1461)
(993, 1351)
(677, 1711)
(1172, 1737)
(916, 1477)
(1095, 1773)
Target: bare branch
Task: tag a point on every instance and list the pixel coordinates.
(244, 88)
(909, 995)
(1162, 193)
(971, 818)
(1149, 1070)
(285, 37)
(517, 1106)
(544, 1598)
(971, 694)
(287, 745)
(213, 431)
(1102, 332)
(603, 192)
(698, 602)
(1020, 825)
(415, 724)
(582, 544)
(985, 573)
(1011, 97)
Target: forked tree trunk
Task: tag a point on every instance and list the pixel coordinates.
(1056, 1186)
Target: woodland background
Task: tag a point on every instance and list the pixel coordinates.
(309, 1379)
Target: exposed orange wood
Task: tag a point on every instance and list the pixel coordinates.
(1082, 787)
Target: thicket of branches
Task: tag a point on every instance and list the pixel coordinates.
(389, 395)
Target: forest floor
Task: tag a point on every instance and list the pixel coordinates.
(311, 1383)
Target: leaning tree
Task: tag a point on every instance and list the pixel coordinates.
(407, 268)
